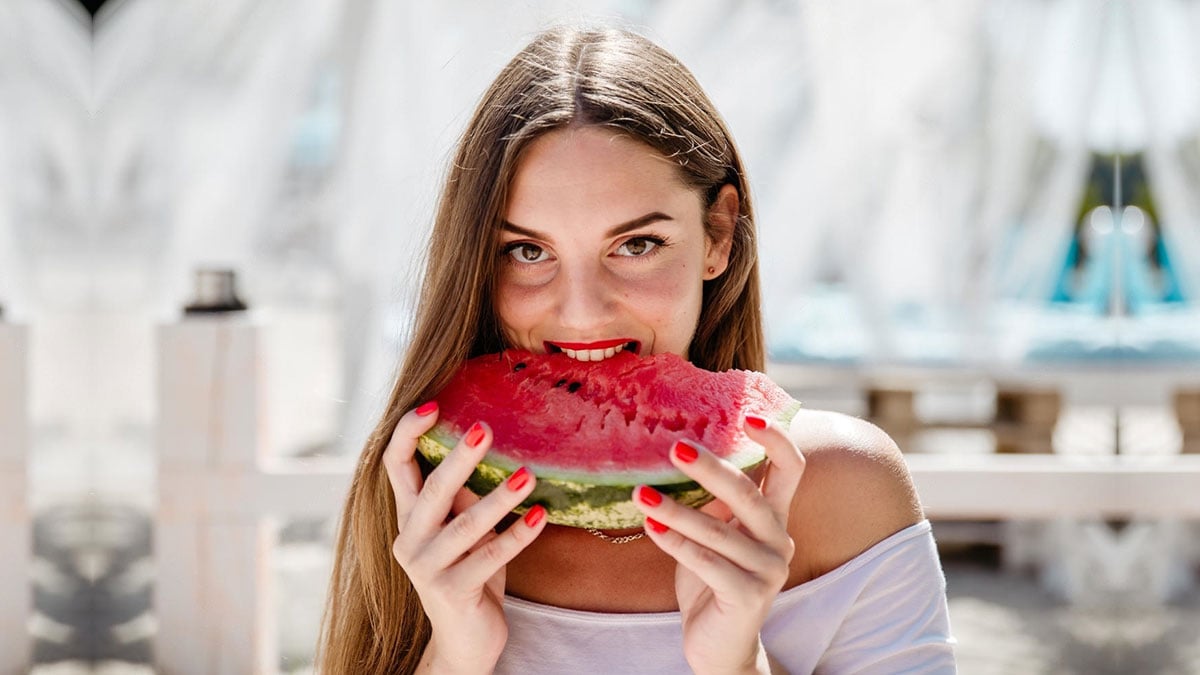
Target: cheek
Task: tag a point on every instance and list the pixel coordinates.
(671, 286)
(522, 311)
(667, 299)
(514, 305)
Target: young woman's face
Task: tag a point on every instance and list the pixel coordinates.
(602, 247)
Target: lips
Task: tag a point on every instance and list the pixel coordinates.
(599, 344)
(593, 351)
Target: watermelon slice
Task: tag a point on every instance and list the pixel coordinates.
(590, 432)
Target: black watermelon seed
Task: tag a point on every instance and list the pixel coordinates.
(560, 383)
(574, 387)
(519, 366)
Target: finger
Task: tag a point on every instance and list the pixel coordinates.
(468, 528)
(726, 539)
(786, 464)
(398, 458)
(719, 573)
(483, 563)
(727, 483)
(437, 494)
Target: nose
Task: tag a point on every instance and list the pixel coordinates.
(585, 297)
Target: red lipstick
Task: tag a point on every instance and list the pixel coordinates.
(599, 344)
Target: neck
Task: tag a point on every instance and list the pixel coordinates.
(568, 567)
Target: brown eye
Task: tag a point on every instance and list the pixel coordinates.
(526, 253)
(638, 246)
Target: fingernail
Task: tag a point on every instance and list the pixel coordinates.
(655, 526)
(685, 453)
(649, 496)
(518, 480)
(427, 408)
(534, 515)
(756, 421)
(475, 435)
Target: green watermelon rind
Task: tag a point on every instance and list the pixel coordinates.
(580, 499)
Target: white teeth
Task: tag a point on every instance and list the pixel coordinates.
(593, 354)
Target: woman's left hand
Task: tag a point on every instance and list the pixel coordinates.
(728, 573)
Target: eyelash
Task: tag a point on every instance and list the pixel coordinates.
(659, 243)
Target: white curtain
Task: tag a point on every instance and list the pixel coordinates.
(1165, 69)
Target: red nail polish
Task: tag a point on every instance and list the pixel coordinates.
(756, 421)
(518, 480)
(649, 496)
(427, 408)
(685, 453)
(534, 515)
(475, 435)
(655, 526)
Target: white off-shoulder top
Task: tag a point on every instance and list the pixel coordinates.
(882, 612)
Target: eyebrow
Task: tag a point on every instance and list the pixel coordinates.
(615, 231)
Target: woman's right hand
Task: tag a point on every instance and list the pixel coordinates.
(456, 564)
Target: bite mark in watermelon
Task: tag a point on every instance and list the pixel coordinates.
(591, 432)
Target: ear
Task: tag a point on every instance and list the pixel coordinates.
(722, 220)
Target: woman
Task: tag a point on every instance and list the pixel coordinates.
(596, 196)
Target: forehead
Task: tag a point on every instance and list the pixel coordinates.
(593, 168)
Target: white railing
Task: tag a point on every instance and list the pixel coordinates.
(958, 487)
(220, 499)
(1055, 507)
(16, 547)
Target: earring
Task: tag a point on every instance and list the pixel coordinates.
(712, 270)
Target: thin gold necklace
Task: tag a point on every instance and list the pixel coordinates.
(623, 539)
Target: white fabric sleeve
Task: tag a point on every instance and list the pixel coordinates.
(900, 622)
(882, 612)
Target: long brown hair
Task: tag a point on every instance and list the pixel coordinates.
(373, 620)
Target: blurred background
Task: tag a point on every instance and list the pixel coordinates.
(980, 226)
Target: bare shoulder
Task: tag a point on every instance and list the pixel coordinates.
(855, 492)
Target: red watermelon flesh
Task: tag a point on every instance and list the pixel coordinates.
(608, 423)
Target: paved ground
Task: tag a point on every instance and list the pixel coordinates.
(1006, 623)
